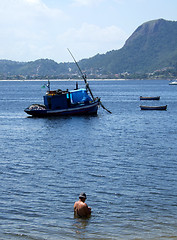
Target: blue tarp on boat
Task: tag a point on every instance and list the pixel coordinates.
(64, 100)
(79, 96)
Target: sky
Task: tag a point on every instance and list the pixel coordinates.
(35, 29)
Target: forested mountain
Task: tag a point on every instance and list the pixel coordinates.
(34, 69)
(151, 48)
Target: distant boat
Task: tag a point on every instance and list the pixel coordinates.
(150, 98)
(161, 108)
(173, 82)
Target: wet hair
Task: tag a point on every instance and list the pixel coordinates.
(82, 196)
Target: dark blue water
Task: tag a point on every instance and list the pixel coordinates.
(126, 162)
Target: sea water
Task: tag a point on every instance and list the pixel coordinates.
(126, 163)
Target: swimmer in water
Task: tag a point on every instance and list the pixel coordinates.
(80, 207)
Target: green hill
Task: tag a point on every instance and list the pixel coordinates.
(151, 48)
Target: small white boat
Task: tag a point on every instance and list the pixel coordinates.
(173, 82)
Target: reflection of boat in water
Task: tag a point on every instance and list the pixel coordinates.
(61, 103)
(150, 98)
(161, 108)
(173, 82)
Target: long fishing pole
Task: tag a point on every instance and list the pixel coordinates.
(83, 76)
(86, 83)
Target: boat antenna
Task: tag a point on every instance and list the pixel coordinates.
(48, 85)
(85, 80)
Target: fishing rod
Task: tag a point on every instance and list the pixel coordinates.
(83, 75)
(85, 80)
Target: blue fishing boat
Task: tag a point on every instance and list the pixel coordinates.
(62, 103)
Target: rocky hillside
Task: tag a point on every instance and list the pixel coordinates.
(151, 47)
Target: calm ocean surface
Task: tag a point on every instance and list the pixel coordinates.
(126, 162)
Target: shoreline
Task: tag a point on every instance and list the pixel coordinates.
(73, 80)
(60, 80)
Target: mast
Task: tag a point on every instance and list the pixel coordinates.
(83, 76)
(86, 83)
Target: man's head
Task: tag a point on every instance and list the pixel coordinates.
(82, 197)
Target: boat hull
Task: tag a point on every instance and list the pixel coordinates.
(160, 108)
(173, 83)
(150, 98)
(90, 109)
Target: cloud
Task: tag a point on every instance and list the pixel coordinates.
(27, 27)
(33, 1)
(93, 39)
(31, 16)
(31, 30)
(93, 33)
(97, 2)
(86, 2)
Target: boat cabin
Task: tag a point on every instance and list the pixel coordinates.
(66, 99)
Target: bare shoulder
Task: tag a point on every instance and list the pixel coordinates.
(84, 204)
(75, 204)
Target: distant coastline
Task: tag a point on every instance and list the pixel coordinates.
(62, 80)
(74, 80)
